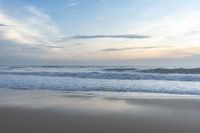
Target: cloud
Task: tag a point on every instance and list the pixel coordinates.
(71, 3)
(37, 13)
(55, 46)
(3, 25)
(128, 48)
(34, 27)
(125, 36)
(193, 32)
(179, 27)
(6, 25)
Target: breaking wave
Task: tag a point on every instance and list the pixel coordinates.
(116, 79)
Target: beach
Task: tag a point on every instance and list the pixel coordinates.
(100, 66)
(39, 111)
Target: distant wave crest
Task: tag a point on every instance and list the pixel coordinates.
(173, 71)
(120, 69)
(121, 76)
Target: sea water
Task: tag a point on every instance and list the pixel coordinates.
(102, 78)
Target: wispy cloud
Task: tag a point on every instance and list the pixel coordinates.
(7, 25)
(193, 32)
(125, 36)
(3, 25)
(55, 46)
(71, 3)
(181, 26)
(34, 27)
(37, 13)
(128, 48)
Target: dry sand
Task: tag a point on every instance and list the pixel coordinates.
(36, 111)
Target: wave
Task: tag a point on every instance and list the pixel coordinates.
(121, 76)
(173, 71)
(156, 70)
(114, 79)
(120, 69)
(113, 69)
(80, 84)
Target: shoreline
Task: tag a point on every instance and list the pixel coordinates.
(36, 111)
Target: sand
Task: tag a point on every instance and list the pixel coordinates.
(36, 111)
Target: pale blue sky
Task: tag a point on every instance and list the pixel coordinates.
(118, 32)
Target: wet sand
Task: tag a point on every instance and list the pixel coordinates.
(25, 111)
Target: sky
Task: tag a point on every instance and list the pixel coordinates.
(100, 32)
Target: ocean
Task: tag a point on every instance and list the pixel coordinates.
(170, 80)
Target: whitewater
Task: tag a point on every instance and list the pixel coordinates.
(102, 78)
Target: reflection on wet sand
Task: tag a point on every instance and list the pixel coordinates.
(52, 111)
